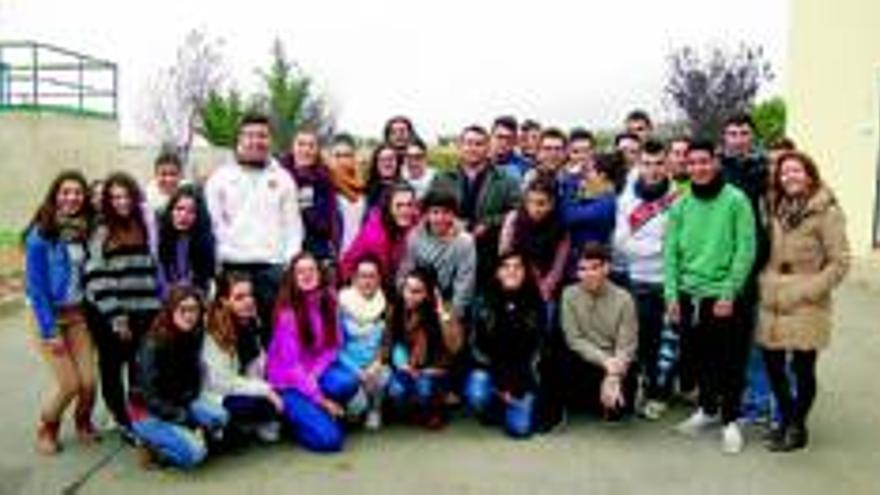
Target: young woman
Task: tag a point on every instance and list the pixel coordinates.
(234, 361)
(384, 171)
(809, 257)
(167, 411)
(362, 318)
(415, 170)
(536, 231)
(317, 198)
(55, 253)
(121, 289)
(384, 234)
(505, 343)
(186, 249)
(423, 339)
(305, 344)
(349, 185)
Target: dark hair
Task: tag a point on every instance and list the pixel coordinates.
(475, 128)
(370, 259)
(108, 214)
(594, 251)
(581, 134)
(386, 131)
(639, 114)
(343, 139)
(625, 135)
(610, 164)
(739, 119)
(528, 290)
(702, 145)
(681, 138)
(253, 118)
(783, 143)
(538, 239)
(653, 147)
(375, 187)
(201, 249)
(507, 122)
(168, 158)
(554, 133)
(419, 143)
(44, 218)
(385, 207)
(221, 323)
(163, 327)
(290, 297)
(810, 169)
(440, 197)
(529, 125)
(425, 315)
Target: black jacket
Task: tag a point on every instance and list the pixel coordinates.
(169, 375)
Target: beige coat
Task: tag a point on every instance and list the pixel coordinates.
(806, 263)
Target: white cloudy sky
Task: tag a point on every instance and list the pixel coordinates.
(445, 63)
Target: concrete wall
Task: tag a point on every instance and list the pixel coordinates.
(36, 146)
(834, 98)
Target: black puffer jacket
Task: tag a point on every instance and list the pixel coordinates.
(169, 374)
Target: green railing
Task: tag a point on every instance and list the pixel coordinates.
(37, 77)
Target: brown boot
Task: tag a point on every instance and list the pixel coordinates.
(47, 437)
(145, 457)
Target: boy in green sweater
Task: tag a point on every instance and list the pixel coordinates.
(708, 254)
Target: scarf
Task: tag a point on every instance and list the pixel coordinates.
(653, 192)
(348, 182)
(362, 310)
(71, 229)
(710, 190)
(791, 211)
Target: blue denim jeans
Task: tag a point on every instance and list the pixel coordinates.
(182, 445)
(517, 416)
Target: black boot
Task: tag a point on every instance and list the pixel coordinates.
(797, 437)
(774, 440)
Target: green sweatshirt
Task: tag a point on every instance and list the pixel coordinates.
(709, 246)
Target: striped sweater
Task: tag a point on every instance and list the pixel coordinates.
(121, 281)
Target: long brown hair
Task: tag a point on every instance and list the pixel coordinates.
(810, 169)
(45, 218)
(222, 325)
(291, 298)
(119, 228)
(163, 327)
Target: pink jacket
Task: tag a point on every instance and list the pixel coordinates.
(374, 239)
(290, 365)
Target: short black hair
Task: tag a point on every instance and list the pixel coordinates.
(386, 131)
(653, 147)
(681, 138)
(507, 122)
(783, 144)
(581, 134)
(254, 118)
(554, 133)
(609, 164)
(419, 143)
(475, 128)
(625, 135)
(440, 197)
(530, 125)
(702, 145)
(739, 119)
(639, 114)
(168, 157)
(595, 251)
(343, 138)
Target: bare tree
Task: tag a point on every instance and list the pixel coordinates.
(179, 91)
(709, 89)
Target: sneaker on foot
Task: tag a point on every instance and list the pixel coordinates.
(731, 439)
(653, 410)
(697, 422)
(269, 432)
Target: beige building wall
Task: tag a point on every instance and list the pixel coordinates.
(34, 147)
(834, 101)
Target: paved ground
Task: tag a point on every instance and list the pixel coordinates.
(587, 458)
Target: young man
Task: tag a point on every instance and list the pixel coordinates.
(485, 195)
(167, 178)
(442, 243)
(581, 151)
(415, 170)
(630, 147)
(638, 122)
(601, 333)
(254, 207)
(529, 137)
(503, 148)
(551, 157)
(744, 165)
(638, 245)
(676, 162)
(708, 254)
(398, 133)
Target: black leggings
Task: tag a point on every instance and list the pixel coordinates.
(794, 410)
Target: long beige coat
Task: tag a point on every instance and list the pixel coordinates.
(806, 263)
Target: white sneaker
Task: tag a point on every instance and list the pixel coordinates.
(374, 420)
(731, 439)
(653, 410)
(697, 423)
(269, 432)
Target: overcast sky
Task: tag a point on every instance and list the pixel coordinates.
(445, 63)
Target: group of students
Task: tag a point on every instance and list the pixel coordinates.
(300, 297)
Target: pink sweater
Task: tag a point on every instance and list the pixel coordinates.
(289, 364)
(374, 239)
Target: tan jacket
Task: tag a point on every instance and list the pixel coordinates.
(806, 263)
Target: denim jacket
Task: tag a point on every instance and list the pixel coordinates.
(48, 275)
